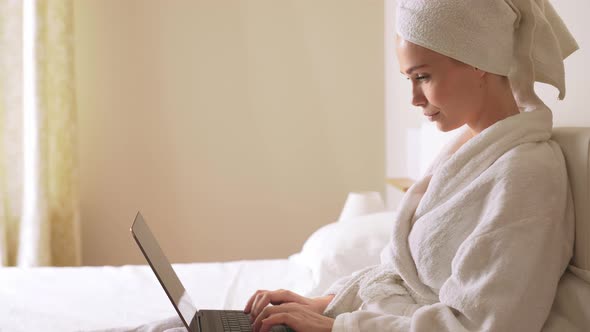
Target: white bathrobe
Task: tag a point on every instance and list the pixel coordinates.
(479, 243)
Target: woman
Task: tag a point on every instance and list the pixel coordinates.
(481, 241)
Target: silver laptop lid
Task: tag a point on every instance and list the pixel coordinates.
(163, 270)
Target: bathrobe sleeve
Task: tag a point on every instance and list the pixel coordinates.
(338, 285)
(505, 274)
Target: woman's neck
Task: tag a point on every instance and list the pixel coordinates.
(499, 103)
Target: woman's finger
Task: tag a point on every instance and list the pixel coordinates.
(252, 299)
(276, 319)
(298, 317)
(264, 314)
(277, 297)
(261, 302)
(283, 295)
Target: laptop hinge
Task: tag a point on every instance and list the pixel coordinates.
(195, 325)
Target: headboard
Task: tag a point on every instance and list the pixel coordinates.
(575, 144)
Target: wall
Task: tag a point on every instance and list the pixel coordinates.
(236, 127)
(401, 115)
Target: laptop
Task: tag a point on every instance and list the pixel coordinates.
(194, 320)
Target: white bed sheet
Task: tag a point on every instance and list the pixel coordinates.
(86, 298)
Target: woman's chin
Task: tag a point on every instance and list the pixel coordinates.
(441, 126)
(445, 127)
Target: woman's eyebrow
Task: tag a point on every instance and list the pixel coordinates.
(409, 71)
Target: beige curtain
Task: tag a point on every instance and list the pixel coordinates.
(39, 213)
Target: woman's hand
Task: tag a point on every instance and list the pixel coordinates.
(299, 317)
(263, 298)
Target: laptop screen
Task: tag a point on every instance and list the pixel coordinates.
(163, 270)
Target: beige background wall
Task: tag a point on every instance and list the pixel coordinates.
(240, 120)
(236, 127)
(401, 115)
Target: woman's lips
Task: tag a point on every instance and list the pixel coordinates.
(432, 116)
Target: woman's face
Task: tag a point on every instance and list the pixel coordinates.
(448, 91)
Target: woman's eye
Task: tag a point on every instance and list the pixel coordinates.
(419, 78)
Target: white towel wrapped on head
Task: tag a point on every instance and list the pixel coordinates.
(523, 39)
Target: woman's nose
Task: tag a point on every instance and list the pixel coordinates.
(418, 98)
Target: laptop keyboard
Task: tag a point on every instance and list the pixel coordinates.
(235, 321)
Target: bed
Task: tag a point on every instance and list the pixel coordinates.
(87, 298)
(90, 298)
(94, 298)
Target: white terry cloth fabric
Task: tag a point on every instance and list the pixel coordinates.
(525, 40)
(479, 243)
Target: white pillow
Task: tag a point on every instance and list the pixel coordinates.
(341, 248)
